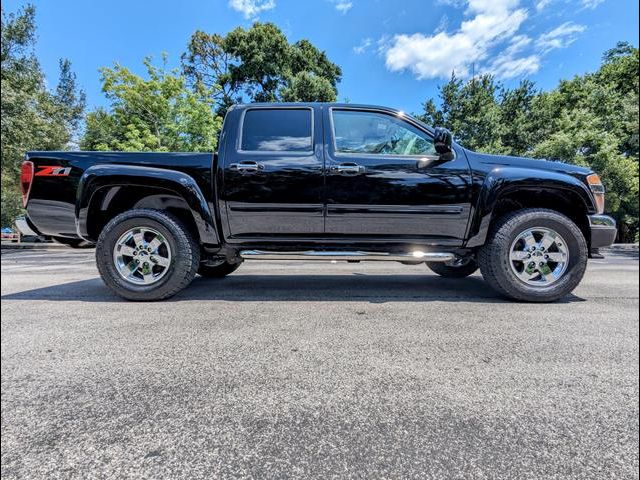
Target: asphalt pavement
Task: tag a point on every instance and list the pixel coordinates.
(316, 370)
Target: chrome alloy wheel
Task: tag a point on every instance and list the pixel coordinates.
(142, 256)
(539, 256)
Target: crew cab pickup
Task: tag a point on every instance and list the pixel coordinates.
(320, 181)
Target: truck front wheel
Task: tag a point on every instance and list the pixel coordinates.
(534, 255)
(145, 254)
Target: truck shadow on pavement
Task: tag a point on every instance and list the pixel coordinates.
(298, 288)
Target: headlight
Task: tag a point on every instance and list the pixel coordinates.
(595, 184)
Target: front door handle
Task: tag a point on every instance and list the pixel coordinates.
(247, 166)
(348, 169)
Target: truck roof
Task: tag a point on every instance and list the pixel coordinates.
(316, 104)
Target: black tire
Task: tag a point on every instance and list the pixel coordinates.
(494, 261)
(183, 266)
(73, 242)
(466, 268)
(217, 271)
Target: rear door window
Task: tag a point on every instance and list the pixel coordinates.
(277, 130)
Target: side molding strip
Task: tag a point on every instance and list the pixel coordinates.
(415, 256)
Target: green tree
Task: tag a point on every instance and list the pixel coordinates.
(515, 106)
(32, 117)
(158, 113)
(259, 64)
(470, 110)
(590, 120)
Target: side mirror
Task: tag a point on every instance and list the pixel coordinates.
(442, 140)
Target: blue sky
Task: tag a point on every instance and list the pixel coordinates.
(392, 52)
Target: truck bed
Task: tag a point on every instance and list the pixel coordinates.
(52, 197)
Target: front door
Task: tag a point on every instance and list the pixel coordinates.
(386, 181)
(273, 173)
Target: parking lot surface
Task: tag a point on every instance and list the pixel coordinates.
(294, 370)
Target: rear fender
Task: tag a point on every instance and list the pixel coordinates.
(99, 177)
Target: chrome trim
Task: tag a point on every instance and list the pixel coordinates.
(601, 221)
(142, 256)
(539, 257)
(416, 255)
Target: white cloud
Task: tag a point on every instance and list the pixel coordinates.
(452, 3)
(343, 6)
(559, 37)
(363, 47)
(487, 40)
(489, 23)
(505, 67)
(251, 8)
(542, 4)
(509, 63)
(442, 24)
(591, 3)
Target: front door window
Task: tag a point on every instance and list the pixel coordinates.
(374, 133)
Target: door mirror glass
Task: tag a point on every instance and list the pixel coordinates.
(443, 141)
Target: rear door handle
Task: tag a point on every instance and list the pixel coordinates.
(247, 166)
(348, 169)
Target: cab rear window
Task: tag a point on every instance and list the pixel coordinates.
(277, 130)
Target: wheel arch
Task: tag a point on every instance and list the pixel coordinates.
(105, 191)
(509, 189)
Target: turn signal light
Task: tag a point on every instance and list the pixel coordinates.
(595, 184)
(26, 178)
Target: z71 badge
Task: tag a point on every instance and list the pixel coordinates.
(53, 171)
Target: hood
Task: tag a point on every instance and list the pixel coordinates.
(531, 163)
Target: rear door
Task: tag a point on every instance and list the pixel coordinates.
(273, 173)
(385, 179)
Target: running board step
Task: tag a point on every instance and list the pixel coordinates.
(415, 256)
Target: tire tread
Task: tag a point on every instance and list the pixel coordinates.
(186, 265)
(499, 239)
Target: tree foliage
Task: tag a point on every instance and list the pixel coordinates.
(259, 64)
(158, 113)
(590, 120)
(32, 117)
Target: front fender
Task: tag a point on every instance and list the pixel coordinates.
(503, 180)
(98, 177)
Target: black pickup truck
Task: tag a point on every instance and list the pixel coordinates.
(321, 181)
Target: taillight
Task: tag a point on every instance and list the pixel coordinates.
(595, 184)
(26, 178)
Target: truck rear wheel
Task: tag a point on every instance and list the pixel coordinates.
(217, 270)
(459, 269)
(145, 254)
(534, 255)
